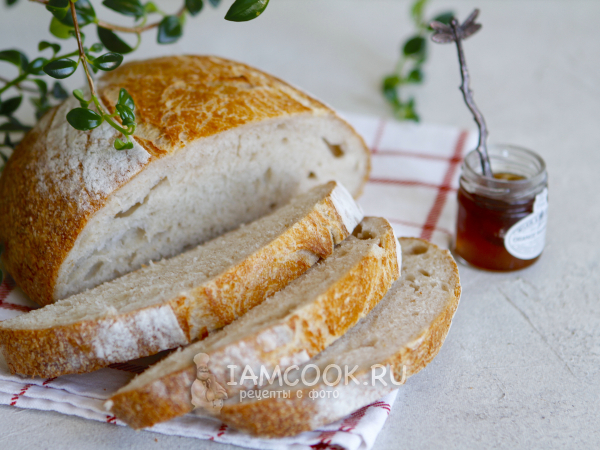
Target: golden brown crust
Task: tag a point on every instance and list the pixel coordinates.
(212, 95)
(62, 350)
(183, 98)
(37, 234)
(157, 402)
(279, 417)
(316, 327)
(430, 342)
(66, 349)
(242, 287)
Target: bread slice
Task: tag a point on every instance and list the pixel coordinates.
(288, 328)
(218, 144)
(406, 329)
(176, 301)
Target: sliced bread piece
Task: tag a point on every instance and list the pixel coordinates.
(406, 329)
(289, 328)
(176, 301)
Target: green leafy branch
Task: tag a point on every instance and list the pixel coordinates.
(409, 68)
(68, 18)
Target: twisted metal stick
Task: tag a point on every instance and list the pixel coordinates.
(456, 33)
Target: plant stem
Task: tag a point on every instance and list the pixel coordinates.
(138, 29)
(23, 88)
(108, 118)
(468, 96)
(14, 82)
(82, 56)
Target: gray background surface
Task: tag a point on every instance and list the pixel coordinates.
(521, 365)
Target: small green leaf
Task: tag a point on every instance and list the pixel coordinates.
(120, 145)
(125, 99)
(444, 18)
(15, 57)
(85, 14)
(11, 2)
(415, 76)
(10, 106)
(112, 42)
(84, 119)
(244, 10)
(61, 68)
(132, 8)
(35, 67)
(390, 93)
(97, 47)
(126, 115)
(150, 8)
(415, 47)
(58, 8)
(194, 6)
(42, 86)
(417, 10)
(44, 45)
(391, 82)
(59, 92)
(169, 30)
(408, 112)
(108, 61)
(214, 3)
(78, 94)
(59, 30)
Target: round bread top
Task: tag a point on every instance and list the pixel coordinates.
(58, 177)
(179, 99)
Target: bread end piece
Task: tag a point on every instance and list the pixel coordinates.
(280, 417)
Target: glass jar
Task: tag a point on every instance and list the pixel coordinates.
(501, 223)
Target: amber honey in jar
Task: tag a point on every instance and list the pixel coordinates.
(501, 223)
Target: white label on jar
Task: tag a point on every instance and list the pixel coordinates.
(526, 238)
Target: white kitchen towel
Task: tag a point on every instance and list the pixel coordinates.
(415, 170)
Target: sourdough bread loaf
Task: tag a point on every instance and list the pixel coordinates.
(402, 334)
(288, 328)
(217, 144)
(176, 301)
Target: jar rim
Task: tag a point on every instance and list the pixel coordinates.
(492, 149)
(518, 157)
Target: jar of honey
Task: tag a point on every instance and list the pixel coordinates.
(501, 222)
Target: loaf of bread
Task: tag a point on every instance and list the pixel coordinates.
(177, 301)
(402, 334)
(217, 144)
(288, 328)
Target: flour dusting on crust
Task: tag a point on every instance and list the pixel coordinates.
(85, 167)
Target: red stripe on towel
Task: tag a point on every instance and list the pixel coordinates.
(440, 200)
(378, 136)
(411, 183)
(16, 397)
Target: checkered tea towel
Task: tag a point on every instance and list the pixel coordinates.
(413, 184)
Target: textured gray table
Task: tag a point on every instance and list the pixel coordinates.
(521, 365)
